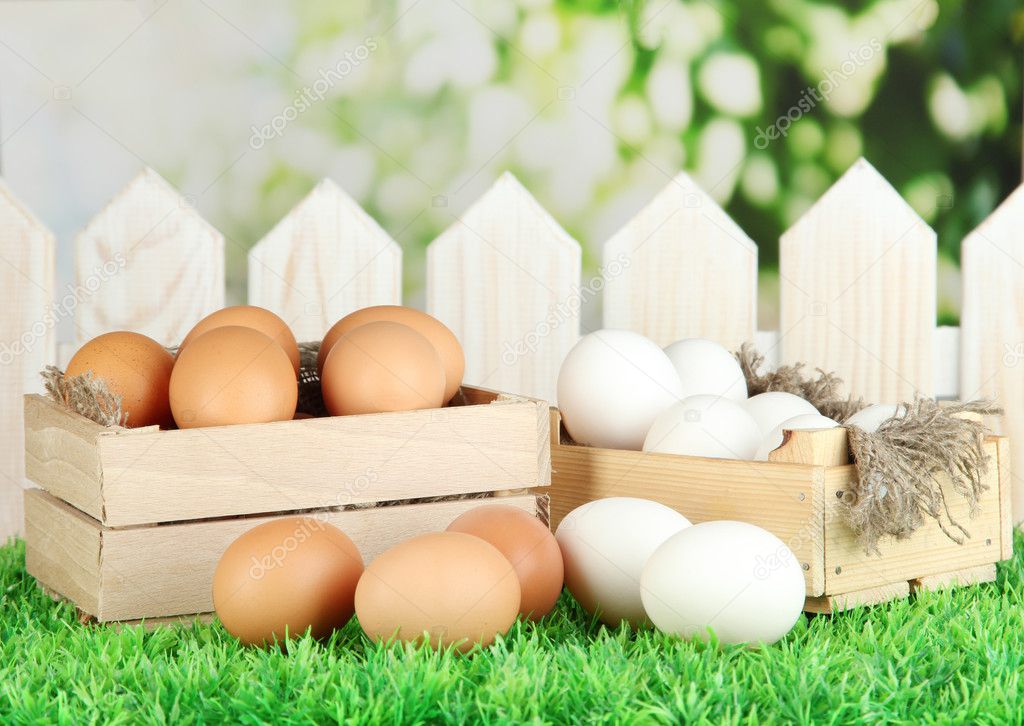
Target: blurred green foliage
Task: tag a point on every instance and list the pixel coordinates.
(929, 92)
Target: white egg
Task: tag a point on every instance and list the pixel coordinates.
(804, 421)
(705, 426)
(732, 577)
(875, 415)
(612, 386)
(706, 367)
(605, 545)
(772, 408)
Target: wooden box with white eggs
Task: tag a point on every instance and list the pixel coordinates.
(646, 442)
(151, 462)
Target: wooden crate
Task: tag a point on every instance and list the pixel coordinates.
(130, 523)
(124, 477)
(796, 496)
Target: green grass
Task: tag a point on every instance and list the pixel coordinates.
(951, 657)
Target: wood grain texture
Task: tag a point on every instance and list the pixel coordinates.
(928, 551)
(858, 598)
(324, 259)
(63, 547)
(168, 570)
(28, 321)
(136, 476)
(505, 278)
(687, 271)
(957, 578)
(147, 263)
(785, 499)
(62, 454)
(857, 275)
(824, 447)
(1007, 485)
(992, 325)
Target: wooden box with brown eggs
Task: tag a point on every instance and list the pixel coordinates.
(874, 501)
(151, 462)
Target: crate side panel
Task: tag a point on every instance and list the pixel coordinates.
(927, 552)
(63, 549)
(785, 499)
(168, 570)
(1003, 449)
(323, 462)
(62, 454)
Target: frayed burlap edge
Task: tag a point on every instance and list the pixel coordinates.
(84, 395)
(901, 466)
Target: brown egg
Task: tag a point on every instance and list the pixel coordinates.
(382, 366)
(249, 316)
(134, 367)
(446, 587)
(287, 575)
(232, 375)
(429, 327)
(528, 544)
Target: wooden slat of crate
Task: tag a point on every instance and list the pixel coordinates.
(785, 499)
(138, 476)
(166, 570)
(848, 568)
(859, 598)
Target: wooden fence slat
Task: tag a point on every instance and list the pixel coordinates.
(324, 259)
(505, 277)
(28, 320)
(858, 283)
(992, 324)
(154, 265)
(688, 271)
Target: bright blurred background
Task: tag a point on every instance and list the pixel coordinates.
(416, 106)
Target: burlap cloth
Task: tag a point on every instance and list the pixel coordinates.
(901, 466)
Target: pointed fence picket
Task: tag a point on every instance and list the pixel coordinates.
(159, 264)
(857, 289)
(28, 320)
(992, 323)
(326, 258)
(506, 276)
(677, 255)
(857, 276)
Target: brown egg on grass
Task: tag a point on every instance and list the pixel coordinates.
(135, 368)
(382, 366)
(232, 375)
(528, 545)
(445, 588)
(439, 335)
(249, 316)
(287, 575)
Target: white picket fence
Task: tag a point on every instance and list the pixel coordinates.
(858, 277)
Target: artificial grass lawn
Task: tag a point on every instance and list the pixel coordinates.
(950, 657)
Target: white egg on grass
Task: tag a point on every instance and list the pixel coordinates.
(611, 387)
(736, 579)
(710, 426)
(772, 408)
(798, 423)
(605, 545)
(705, 367)
(873, 416)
